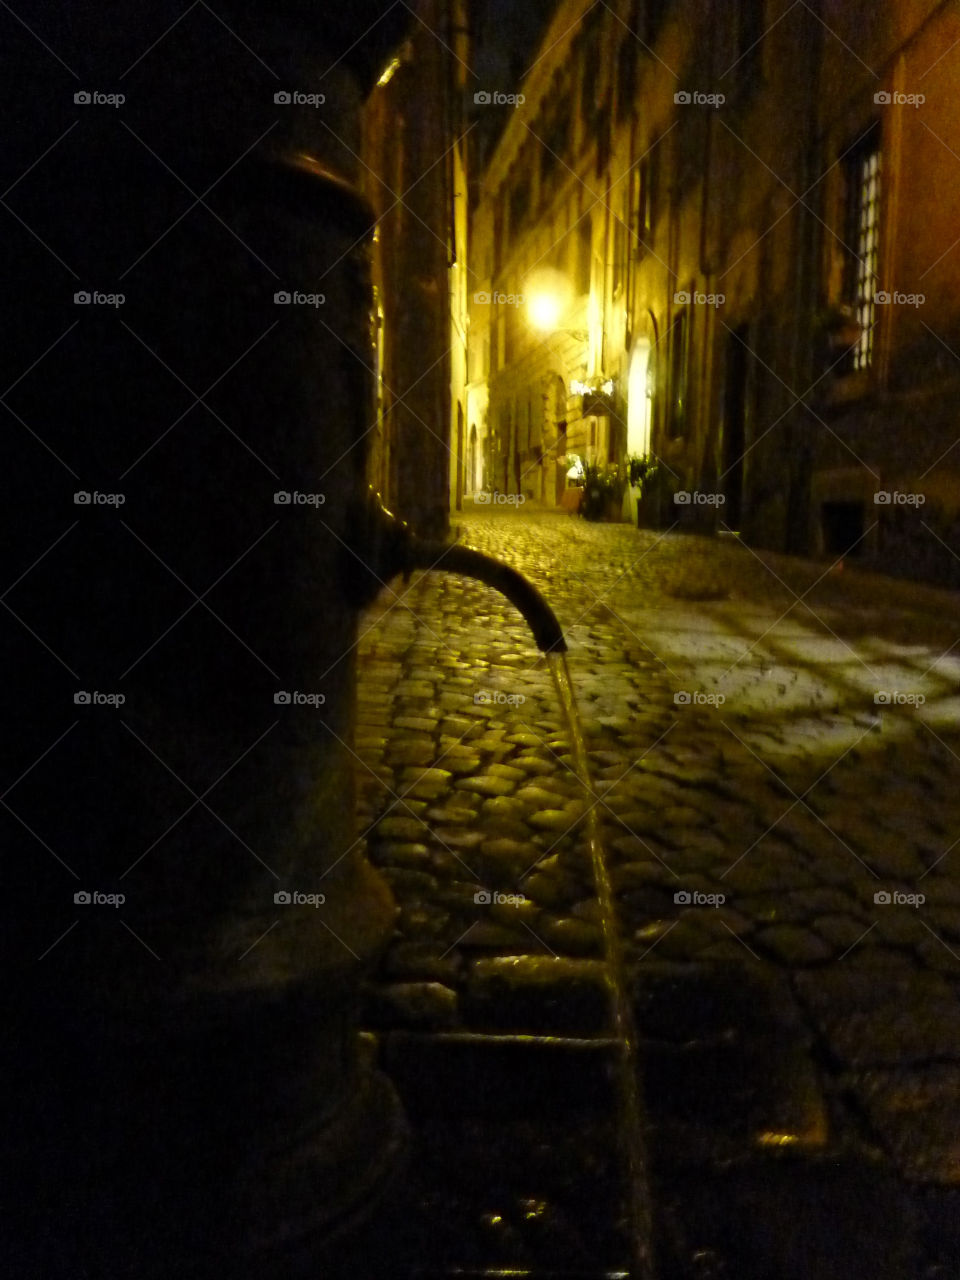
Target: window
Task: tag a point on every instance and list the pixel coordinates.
(649, 181)
(654, 13)
(594, 121)
(556, 138)
(519, 203)
(626, 75)
(749, 33)
(620, 252)
(861, 242)
(644, 181)
(602, 131)
(679, 339)
(511, 324)
(591, 66)
(584, 254)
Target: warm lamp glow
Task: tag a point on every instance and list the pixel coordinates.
(549, 297)
(544, 311)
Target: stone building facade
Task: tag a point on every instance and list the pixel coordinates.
(414, 159)
(683, 247)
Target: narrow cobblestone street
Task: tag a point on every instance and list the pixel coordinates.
(781, 842)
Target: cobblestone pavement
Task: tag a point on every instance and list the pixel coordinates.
(783, 845)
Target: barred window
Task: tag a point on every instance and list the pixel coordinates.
(862, 242)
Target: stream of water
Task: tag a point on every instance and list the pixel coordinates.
(628, 1079)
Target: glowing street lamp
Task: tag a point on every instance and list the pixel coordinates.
(549, 297)
(544, 312)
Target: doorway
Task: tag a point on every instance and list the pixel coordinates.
(737, 374)
(639, 416)
(459, 460)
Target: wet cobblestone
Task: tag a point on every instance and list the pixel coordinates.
(757, 802)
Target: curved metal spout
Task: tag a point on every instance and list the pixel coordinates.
(386, 546)
(519, 590)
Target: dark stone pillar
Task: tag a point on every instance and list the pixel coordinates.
(189, 913)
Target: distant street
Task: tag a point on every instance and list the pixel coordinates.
(777, 762)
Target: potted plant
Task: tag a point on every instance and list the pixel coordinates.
(636, 467)
(602, 494)
(573, 493)
(655, 507)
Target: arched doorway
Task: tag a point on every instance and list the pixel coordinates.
(505, 442)
(459, 458)
(639, 400)
(554, 440)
